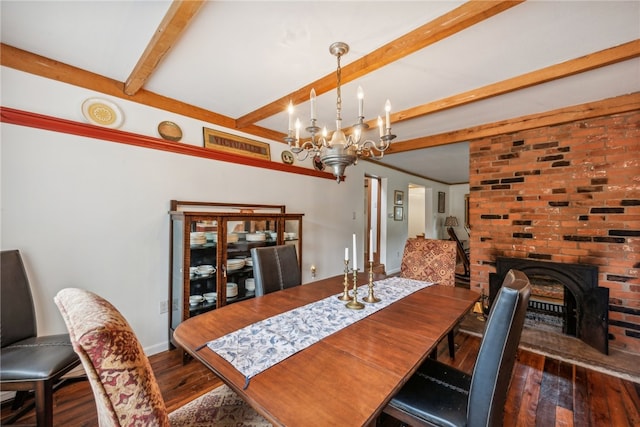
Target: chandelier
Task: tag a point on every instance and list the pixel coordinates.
(341, 150)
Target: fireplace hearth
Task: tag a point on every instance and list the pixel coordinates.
(565, 298)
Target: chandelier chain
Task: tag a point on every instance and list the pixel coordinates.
(339, 92)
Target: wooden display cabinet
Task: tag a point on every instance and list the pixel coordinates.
(221, 235)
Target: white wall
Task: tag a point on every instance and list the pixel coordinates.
(93, 214)
(416, 211)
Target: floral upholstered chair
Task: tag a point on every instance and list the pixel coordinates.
(120, 374)
(431, 261)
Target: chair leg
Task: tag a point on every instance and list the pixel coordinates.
(44, 403)
(452, 346)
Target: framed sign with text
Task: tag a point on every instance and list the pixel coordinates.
(234, 144)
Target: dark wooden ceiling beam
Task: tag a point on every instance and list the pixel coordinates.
(175, 21)
(440, 28)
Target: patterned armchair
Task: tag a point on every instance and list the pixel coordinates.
(121, 377)
(431, 261)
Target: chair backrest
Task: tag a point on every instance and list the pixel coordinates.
(18, 316)
(275, 268)
(498, 350)
(460, 249)
(119, 372)
(429, 260)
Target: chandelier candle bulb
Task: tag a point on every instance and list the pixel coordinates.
(360, 102)
(290, 110)
(313, 104)
(380, 125)
(298, 125)
(387, 110)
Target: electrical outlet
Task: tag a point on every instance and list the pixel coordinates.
(164, 307)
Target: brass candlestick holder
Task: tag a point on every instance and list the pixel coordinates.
(354, 304)
(371, 298)
(345, 294)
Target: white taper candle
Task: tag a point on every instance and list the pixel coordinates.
(355, 256)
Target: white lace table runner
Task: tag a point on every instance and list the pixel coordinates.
(261, 345)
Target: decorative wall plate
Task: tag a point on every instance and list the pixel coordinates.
(170, 131)
(287, 157)
(102, 112)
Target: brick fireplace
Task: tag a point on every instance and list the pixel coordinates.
(567, 193)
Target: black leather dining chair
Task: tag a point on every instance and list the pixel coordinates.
(28, 362)
(275, 268)
(440, 395)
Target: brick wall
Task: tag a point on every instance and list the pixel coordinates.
(564, 193)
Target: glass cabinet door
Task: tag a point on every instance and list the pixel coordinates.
(203, 266)
(242, 236)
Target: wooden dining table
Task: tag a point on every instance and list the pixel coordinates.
(345, 379)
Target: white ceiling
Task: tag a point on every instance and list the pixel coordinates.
(238, 56)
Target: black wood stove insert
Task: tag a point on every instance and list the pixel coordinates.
(581, 306)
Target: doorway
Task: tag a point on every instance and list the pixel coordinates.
(373, 198)
(416, 212)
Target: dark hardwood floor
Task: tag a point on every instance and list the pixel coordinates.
(544, 391)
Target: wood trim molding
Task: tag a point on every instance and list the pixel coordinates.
(54, 124)
(616, 105)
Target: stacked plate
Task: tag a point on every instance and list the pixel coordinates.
(232, 290)
(235, 264)
(256, 237)
(248, 261)
(198, 238)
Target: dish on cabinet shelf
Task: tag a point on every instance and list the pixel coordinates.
(235, 264)
(232, 290)
(195, 299)
(205, 269)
